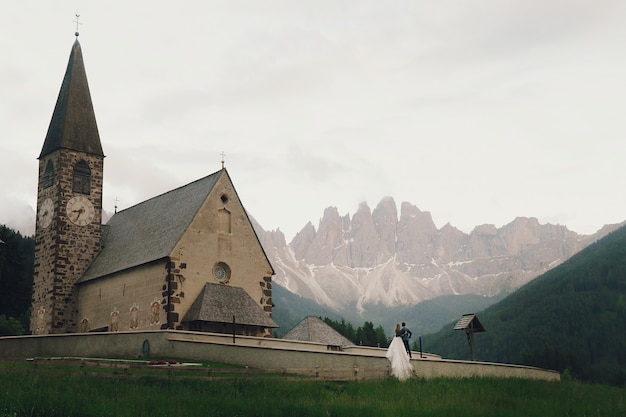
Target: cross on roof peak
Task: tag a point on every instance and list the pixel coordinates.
(77, 23)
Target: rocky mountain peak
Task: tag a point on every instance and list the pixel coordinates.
(374, 257)
(385, 218)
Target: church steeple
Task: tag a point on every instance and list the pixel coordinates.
(69, 203)
(73, 125)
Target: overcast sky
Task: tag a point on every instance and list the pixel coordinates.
(476, 111)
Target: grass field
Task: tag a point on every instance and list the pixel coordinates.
(59, 391)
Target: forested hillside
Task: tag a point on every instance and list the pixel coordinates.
(289, 309)
(16, 281)
(572, 317)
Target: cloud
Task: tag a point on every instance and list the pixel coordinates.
(18, 215)
(478, 112)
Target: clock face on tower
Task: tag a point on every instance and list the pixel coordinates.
(46, 212)
(80, 211)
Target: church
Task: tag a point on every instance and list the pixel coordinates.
(188, 259)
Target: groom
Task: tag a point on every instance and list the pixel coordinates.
(405, 334)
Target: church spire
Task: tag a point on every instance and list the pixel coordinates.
(73, 125)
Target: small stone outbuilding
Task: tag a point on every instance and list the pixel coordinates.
(314, 329)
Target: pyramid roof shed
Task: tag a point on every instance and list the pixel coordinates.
(314, 329)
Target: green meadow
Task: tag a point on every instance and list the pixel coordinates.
(57, 391)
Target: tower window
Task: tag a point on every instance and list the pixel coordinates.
(48, 175)
(82, 178)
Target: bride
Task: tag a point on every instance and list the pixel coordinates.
(401, 366)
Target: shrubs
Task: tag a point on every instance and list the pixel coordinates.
(10, 326)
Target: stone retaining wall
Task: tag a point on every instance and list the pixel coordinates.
(263, 353)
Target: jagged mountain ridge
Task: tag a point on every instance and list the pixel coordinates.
(378, 257)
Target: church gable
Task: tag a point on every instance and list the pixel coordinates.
(220, 246)
(221, 227)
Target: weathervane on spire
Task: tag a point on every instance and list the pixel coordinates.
(77, 23)
(223, 155)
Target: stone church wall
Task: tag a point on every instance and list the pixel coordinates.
(132, 300)
(143, 297)
(220, 232)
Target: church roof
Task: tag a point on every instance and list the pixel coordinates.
(150, 230)
(219, 303)
(73, 124)
(314, 329)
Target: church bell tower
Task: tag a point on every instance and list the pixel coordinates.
(69, 203)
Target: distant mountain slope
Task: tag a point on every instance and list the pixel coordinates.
(572, 317)
(389, 257)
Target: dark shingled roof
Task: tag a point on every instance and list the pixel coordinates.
(73, 124)
(219, 303)
(150, 230)
(313, 329)
(469, 322)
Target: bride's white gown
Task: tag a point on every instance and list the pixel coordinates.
(401, 366)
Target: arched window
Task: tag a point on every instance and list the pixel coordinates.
(48, 175)
(82, 178)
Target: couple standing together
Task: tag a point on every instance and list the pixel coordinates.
(399, 353)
